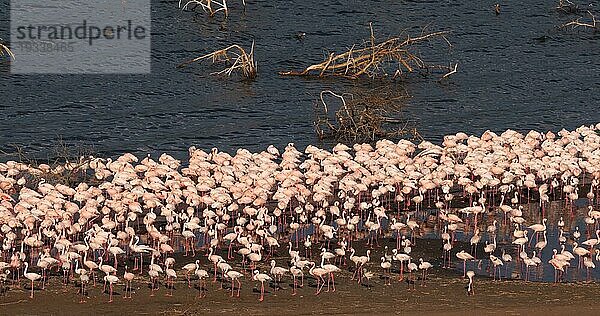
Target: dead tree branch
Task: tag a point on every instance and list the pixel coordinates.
(4, 50)
(209, 6)
(567, 7)
(578, 23)
(237, 59)
(362, 117)
(451, 72)
(374, 60)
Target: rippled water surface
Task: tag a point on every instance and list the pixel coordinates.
(516, 70)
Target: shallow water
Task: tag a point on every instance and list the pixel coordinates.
(573, 220)
(516, 70)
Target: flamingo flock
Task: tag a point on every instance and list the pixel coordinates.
(231, 218)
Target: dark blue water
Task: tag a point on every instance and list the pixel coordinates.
(516, 70)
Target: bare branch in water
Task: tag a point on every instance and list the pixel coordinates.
(4, 50)
(567, 7)
(579, 23)
(451, 72)
(374, 60)
(362, 117)
(236, 58)
(209, 6)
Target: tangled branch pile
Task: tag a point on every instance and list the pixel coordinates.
(236, 58)
(4, 50)
(209, 6)
(67, 166)
(363, 117)
(393, 56)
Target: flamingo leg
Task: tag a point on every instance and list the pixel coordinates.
(262, 291)
(333, 281)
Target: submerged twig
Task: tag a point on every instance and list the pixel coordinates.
(237, 58)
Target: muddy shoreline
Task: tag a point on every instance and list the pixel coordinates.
(443, 294)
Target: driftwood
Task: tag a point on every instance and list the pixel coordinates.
(237, 59)
(4, 50)
(591, 24)
(394, 57)
(209, 6)
(363, 117)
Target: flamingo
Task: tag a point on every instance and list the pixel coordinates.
(506, 258)
(402, 257)
(277, 272)
(330, 268)
(295, 272)
(341, 252)
(318, 274)
(215, 259)
(83, 278)
(235, 276)
(386, 266)
(447, 249)
(115, 251)
(327, 255)
(497, 262)
(580, 251)
(474, 241)
(262, 278)
(308, 246)
(293, 254)
(424, 266)
(92, 266)
(111, 279)
(153, 279)
(231, 237)
(30, 276)
(255, 257)
(538, 228)
(593, 241)
(359, 262)
(202, 275)
(128, 277)
(411, 268)
(171, 276)
(464, 256)
(470, 291)
(107, 270)
(189, 268)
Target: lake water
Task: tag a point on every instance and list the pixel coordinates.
(516, 70)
